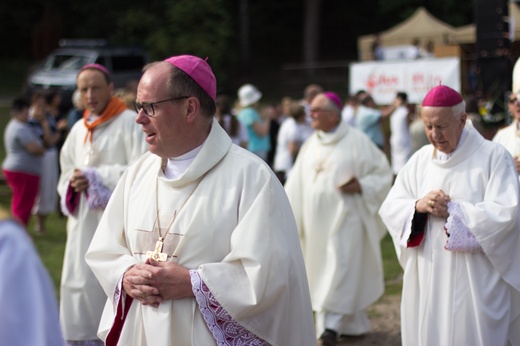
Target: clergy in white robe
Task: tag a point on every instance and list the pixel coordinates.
(509, 136)
(336, 187)
(453, 216)
(229, 268)
(29, 310)
(94, 156)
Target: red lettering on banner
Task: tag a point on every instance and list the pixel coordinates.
(381, 81)
(423, 82)
(418, 78)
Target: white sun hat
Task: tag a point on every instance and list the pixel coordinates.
(248, 94)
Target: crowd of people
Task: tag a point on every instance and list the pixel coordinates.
(193, 220)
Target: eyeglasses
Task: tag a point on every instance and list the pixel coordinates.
(148, 107)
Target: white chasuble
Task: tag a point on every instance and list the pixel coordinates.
(458, 297)
(237, 230)
(340, 233)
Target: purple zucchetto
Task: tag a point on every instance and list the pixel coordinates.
(334, 98)
(98, 67)
(198, 70)
(442, 96)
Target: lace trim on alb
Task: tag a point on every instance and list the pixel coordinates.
(459, 235)
(97, 193)
(224, 328)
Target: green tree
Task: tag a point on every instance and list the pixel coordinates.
(202, 28)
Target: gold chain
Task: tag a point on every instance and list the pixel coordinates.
(161, 238)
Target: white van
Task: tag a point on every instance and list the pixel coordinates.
(60, 69)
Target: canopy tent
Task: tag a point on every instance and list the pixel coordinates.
(421, 25)
(424, 26)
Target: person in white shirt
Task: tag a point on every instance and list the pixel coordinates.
(348, 113)
(293, 132)
(400, 139)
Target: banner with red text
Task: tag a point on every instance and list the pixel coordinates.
(383, 79)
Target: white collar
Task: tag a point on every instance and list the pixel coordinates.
(176, 166)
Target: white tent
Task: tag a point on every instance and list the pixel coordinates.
(424, 26)
(421, 25)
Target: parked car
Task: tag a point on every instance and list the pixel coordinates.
(60, 69)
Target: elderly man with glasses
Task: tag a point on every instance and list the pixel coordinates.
(198, 245)
(337, 184)
(95, 154)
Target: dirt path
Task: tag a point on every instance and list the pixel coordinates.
(386, 326)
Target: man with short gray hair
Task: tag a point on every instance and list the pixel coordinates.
(453, 216)
(337, 184)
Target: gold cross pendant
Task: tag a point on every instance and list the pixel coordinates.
(318, 169)
(156, 254)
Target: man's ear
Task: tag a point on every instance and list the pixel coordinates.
(192, 109)
(463, 117)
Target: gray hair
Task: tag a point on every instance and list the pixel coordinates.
(459, 109)
(330, 105)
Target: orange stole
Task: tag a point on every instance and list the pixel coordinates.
(114, 107)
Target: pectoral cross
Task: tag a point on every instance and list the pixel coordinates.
(156, 254)
(318, 169)
(88, 157)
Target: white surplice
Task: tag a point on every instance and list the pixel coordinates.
(116, 144)
(459, 298)
(237, 230)
(340, 233)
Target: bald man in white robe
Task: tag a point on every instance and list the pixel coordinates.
(198, 244)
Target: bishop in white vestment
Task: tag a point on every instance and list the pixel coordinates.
(453, 216)
(340, 230)
(96, 152)
(202, 213)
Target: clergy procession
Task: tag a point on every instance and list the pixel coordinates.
(194, 222)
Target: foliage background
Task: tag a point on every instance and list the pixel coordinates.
(245, 40)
